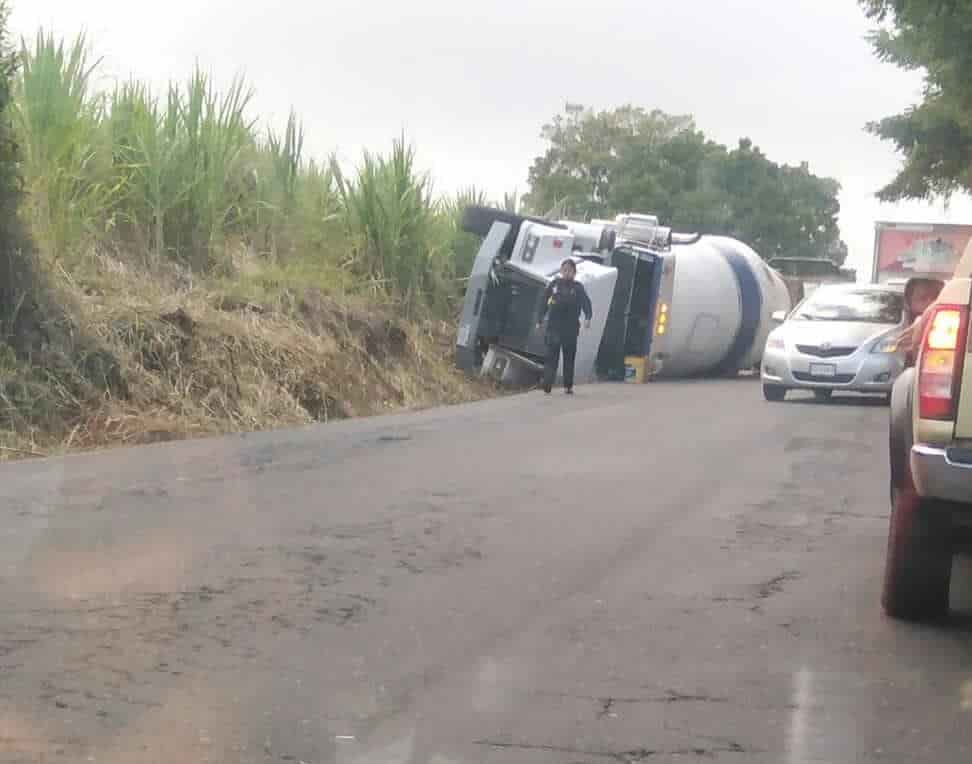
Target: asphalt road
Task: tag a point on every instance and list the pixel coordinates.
(660, 573)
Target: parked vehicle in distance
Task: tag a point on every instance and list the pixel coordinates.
(905, 250)
(812, 272)
(930, 453)
(843, 337)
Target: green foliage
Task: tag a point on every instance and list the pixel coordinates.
(314, 230)
(778, 209)
(57, 118)
(391, 216)
(190, 178)
(143, 158)
(463, 246)
(579, 167)
(285, 155)
(602, 163)
(184, 169)
(174, 176)
(935, 135)
(213, 135)
(20, 285)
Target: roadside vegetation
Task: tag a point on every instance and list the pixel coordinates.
(192, 272)
(179, 268)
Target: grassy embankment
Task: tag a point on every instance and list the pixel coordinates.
(192, 272)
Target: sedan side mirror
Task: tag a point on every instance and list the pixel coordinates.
(779, 316)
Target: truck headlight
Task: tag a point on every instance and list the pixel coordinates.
(661, 322)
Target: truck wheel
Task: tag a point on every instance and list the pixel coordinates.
(774, 392)
(479, 220)
(918, 567)
(900, 437)
(823, 395)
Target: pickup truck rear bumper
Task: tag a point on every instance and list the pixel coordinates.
(938, 476)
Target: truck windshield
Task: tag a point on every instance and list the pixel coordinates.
(864, 305)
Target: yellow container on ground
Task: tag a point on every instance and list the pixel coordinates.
(634, 368)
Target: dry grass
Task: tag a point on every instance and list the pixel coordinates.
(190, 360)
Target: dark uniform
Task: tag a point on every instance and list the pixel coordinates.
(562, 305)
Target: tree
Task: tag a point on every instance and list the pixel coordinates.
(576, 170)
(602, 163)
(660, 175)
(935, 135)
(781, 210)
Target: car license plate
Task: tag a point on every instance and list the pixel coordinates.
(823, 370)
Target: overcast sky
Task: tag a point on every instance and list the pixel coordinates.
(472, 83)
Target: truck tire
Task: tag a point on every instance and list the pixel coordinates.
(774, 393)
(479, 220)
(900, 435)
(918, 567)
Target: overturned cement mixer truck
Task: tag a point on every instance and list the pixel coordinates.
(665, 304)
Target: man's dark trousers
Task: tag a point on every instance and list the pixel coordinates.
(556, 345)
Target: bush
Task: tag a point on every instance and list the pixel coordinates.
(391, 217)
(57, 119)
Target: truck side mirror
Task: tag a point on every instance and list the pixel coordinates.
(779, 316)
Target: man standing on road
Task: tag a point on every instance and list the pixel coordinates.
(563, 303)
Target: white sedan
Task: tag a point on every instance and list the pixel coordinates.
(843, 337)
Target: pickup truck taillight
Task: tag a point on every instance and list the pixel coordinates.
(940, 365)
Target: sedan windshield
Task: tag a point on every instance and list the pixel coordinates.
(864, 305)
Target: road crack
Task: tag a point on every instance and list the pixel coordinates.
(673, 696)
(633, 756)
(608, 704)
(549, 748)
(775, 585)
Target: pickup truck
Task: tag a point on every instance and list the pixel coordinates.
(930, 451)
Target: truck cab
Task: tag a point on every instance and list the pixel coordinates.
(930, 454)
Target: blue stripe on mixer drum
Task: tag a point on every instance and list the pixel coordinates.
(751, 309)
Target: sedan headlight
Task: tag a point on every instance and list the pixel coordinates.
(886, 345)
(775, 342)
